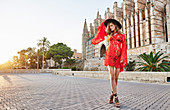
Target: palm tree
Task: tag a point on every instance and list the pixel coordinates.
(43, 43)
(152, 62)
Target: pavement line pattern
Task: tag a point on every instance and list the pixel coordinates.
(46, 91)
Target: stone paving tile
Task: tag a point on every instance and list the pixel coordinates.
(52, 92)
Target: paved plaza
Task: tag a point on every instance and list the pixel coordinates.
(54, 92)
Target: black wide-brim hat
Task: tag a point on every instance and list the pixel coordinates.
(114, 21)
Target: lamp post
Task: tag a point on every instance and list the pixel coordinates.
(28, 61)
(38, 53)
(37, 64)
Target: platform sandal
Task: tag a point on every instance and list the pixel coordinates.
(111, 98)
(116, 100)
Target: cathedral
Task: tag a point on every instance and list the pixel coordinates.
(146, 24)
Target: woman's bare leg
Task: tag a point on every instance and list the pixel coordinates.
(117, 71)
(112, 79)
(117, 75)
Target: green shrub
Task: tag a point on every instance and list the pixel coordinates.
(130, 66)
(73, 68)
(65, 67)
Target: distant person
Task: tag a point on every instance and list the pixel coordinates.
(116, 53)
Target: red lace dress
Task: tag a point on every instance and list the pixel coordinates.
(117, 49)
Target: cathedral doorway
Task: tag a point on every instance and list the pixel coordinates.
(102, 51)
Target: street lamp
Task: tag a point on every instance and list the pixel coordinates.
(37, 64)
(28, 61)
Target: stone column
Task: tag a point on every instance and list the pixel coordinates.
(168, 19)
(156, 22)
(128, 33)
(146, 38)
(141, 27)
(132, 31)
(137, 28)
(124, 17)
(124, 26)
(152, 25)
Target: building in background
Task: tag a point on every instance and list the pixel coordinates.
(50, 63)
(146, 24)
(77, 56)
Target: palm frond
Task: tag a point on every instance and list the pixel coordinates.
(165, 63)
(162, 58)
(148, 57)
(141, 63)
(141, 68)
(165, 67)
(150, 69)
(144, 57)
(151, 56)
(161, 69)
(156, 59)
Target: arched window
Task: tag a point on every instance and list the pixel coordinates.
(102, 51)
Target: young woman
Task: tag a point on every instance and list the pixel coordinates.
(116, 53)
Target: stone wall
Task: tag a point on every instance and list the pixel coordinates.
(94, 64)
(149, 77)
(163, 47)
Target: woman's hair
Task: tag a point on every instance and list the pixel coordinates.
(109, 32)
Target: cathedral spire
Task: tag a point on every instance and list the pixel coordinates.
(85, 30)
(105, 14)
(97, 14)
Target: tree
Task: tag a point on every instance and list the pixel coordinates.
(59, 52)
(6, 65)
(43, 43)
(27, 58)
(22, 59)
(31, 55)
(152, 62)
(70, 61)
(15, 62)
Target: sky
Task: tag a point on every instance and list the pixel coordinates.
(24, 22)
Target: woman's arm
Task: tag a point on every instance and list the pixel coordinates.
(100, 34)
(123, 59)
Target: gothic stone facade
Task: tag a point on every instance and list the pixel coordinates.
(146, 24)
